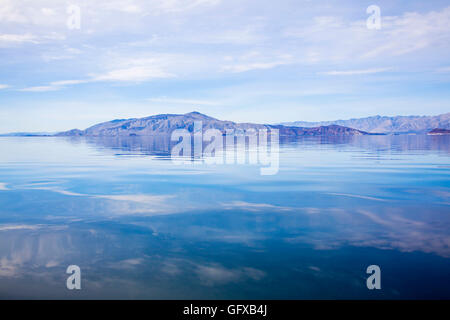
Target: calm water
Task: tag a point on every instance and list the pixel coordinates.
(141, 227)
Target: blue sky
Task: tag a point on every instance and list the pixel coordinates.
(243, 60)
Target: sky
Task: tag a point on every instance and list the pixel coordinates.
(71, 64)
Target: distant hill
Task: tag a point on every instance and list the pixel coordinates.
(379, 124)
(439, 132)
(164, 124)
(27, 134)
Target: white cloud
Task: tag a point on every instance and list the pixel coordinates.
(139, 198)
(356, 196)
(182, 5)
(54, 86)
(133, 74)
(61, 54)
(413, 31)
(18, 227)
(320, 24)
(40, 89)
(132, 9)
(48, 11)
(255, 60)
(334, 39)
(124, 203)
(253, 66)
(134, 70)
(154, 7)
(355, 72)
(183, 101)
(67, 82)
(216, 274)
(243, 36)
(3, 86)
(127, 264)
(130, 69)
(18, 38)
(12, 39)
(243, 205)
(9, 12)
(126, 6)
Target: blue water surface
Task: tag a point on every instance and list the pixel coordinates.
(142, 227)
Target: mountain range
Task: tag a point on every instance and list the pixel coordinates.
(164, 124)
(386, 125)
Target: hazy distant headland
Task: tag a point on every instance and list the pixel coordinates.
(438, 132)
(387, 125)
